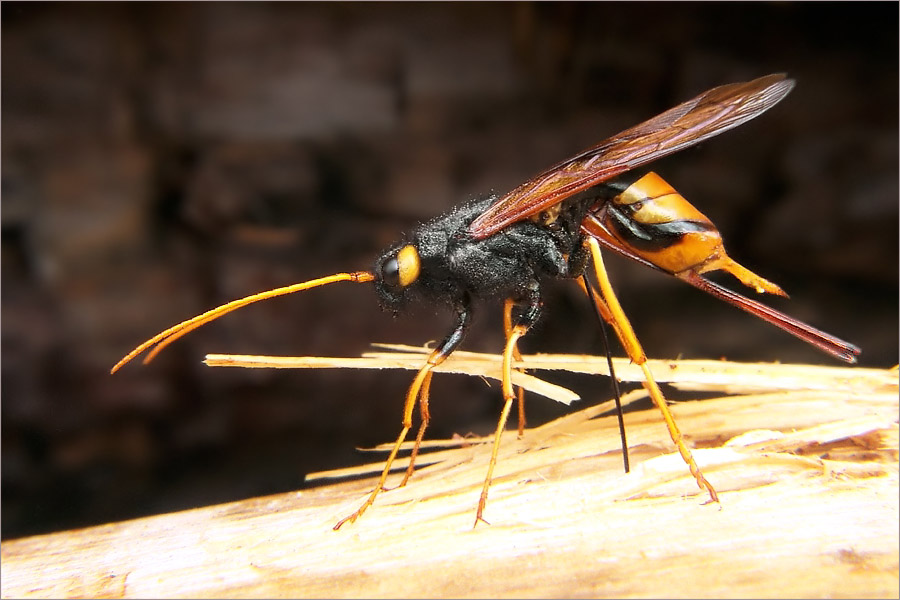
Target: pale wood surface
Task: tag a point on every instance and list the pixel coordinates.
(808, 481)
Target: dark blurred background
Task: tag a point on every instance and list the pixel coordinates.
(161, 159)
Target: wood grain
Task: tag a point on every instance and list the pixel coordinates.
(808, 481)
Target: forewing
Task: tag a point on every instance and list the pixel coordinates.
(689, 123)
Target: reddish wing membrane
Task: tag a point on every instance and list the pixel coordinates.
(707, 115)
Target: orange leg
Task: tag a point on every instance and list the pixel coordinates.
(426, 417)
(508, 396)
(418, 389)
(507, 330)
(418, 383)
(606, 317)
(635, 352)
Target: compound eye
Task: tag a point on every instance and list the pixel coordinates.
(390, 272)
(403, 269)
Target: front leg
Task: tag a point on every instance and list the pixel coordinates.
(420, 384)
(439, 355)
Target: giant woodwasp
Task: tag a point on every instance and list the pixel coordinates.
(502, 248)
